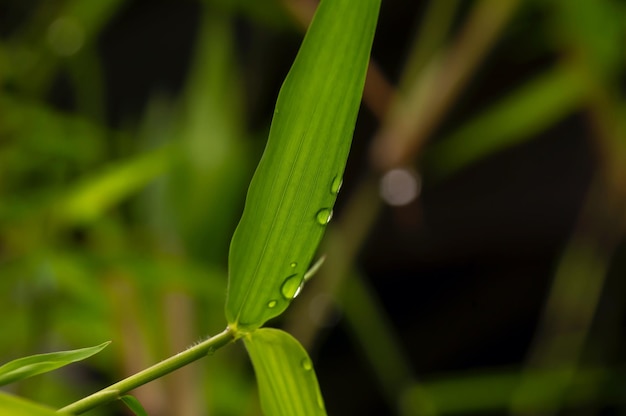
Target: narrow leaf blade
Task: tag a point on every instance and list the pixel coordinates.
(287, 382)
(134, 405)
(293, 191)
(42, 363)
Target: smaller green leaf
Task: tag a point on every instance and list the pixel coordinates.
(42, 363)
(92, 196)
(133, 404)
(287, 382)
(16, 406)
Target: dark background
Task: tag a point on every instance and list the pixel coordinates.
(464, 271)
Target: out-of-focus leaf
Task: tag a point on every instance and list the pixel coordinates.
(42, 363)
(40, 142)
(133, 404)
(207, 185)
(292, 193)
(93, 196)
(54, 33)
(16, 406)
(594, 27)
(486, 392)
(229, 388)
(525, 112)
(285, 375)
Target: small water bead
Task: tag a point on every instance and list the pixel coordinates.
(306, 364)
(293, 265)
(271, 304)
(335, 185)
(324, 216)
(291, 287)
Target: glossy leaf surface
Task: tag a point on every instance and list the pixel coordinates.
(285, 375)
(292, 193)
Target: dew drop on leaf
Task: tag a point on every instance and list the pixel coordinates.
(335, 185)
(324, 216)
(306, 364)
(291, 287)
(271, 304)
(293, 265)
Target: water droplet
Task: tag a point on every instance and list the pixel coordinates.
(293, 265)
(271, 304)
(307, 364)
(291, 287)
(335, 185)
(324, 216)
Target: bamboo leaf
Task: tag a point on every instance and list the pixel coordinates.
(134, 405)
(292, 193)
(533, 107)
(42, 363)
(287, 382)
(16, 406)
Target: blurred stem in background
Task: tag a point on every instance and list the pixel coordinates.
(427, 99)
(564, 331)
(585, 260)
(74, 245)
(421, 89)
(571, 306)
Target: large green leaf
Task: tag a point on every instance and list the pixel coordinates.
(287, 382)
(292, 193)
(16, 406)
(42, 363)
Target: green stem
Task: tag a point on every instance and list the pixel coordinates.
(115, 391)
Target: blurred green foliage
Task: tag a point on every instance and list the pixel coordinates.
(119, 231)
(118, 234)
